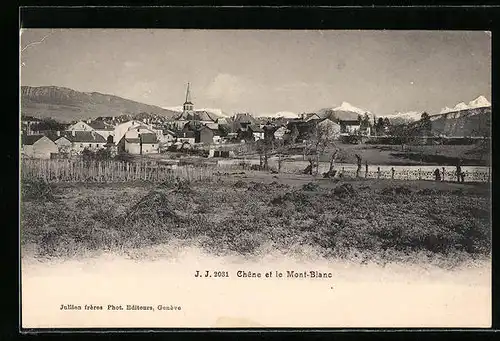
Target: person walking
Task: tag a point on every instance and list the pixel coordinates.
(392, 173)
(442, 178)
(366, 169)
(437, 175)
(459, 170)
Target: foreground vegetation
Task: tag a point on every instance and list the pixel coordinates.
(370, 220)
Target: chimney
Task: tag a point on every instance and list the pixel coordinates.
(93, 134)
(73, 132)
(89, 120)
(58, 133)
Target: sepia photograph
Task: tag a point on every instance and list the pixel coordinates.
(188, 178)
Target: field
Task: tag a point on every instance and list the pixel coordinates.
(361, 220)
(411, 155)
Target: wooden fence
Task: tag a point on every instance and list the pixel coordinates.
(107, 171)
(115, 171)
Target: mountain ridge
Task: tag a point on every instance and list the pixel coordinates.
(66, 104)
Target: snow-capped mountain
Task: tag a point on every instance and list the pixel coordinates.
(480, 102)
(281, 114)
(217, 112)
(178, 108)
(345, 106)
(345, 111)
(409, 116)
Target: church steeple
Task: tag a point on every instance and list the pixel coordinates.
(188, 106)
(188, 95)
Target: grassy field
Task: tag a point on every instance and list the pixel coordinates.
(412, 155)
(365, 219)
(442, 155)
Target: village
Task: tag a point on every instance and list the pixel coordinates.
(191, 129)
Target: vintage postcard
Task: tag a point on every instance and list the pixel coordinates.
(255, 178)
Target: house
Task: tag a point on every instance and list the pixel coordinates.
(241, 122)
(122, 128)
(64, 145)
(81, 140)
(139, 139)
(102, 128)
(80, 126)
(205, 135)
(186, 137)
(221, 120)
(38, 146)
(257, 132)
(213, 126)
(309, 116)
(349, 127)
(144, 143)
(168, 136)
(279, 133)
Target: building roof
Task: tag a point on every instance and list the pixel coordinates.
(101, 125)
(30, 139)
(142, 126)
(349, 122)
(84, 136)
(149, 138)
(244, 118)
(213, 126)
(255, 128)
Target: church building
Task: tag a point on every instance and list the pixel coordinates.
(189, 115)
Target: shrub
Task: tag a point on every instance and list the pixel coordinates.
(310, 186)
(36, 189)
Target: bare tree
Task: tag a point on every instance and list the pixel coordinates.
(322, 137)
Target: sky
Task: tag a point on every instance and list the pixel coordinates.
(265, 71)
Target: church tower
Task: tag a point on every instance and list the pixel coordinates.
(188, 107)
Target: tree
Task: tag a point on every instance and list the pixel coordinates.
(425, 124)
(379, 127)
(294, 134)
(48, 124)
(322, 137)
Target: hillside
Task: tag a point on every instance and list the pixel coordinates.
(65, 104)
(468, 122)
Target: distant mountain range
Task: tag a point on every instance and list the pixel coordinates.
(281, 114)
(480, 102)
(65, 104)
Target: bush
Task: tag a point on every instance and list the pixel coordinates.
(310, 186)
(36, 189)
